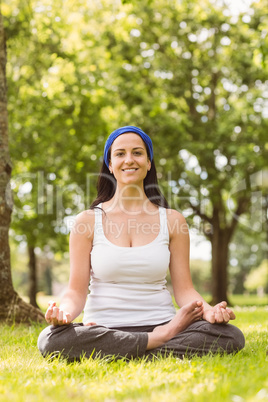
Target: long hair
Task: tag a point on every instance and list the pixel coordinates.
(107, 185)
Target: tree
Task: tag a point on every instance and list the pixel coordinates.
(195, 78)
(13, 308)
(49, 99)
(190, 74)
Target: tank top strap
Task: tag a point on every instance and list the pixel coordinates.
(98, 215)
(163, 223)
(98, 229)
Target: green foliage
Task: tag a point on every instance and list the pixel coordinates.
(258, 278)
(200, 271)
(20, 271)
(189, 73)
(52, 270)
(247, 251)
(27, 376)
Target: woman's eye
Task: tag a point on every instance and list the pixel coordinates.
(137, 153)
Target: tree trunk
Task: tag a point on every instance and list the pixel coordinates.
(12, 308)
(220, 239)
(33, 278)
(220, 259)
(48, 278)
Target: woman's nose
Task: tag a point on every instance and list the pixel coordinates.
(128, 158)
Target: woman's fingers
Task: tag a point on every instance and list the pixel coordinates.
(228, 314)
(55, 316)
(219, 314)
(67, 319)
(231, 313)
(49, 311)
(214, 315)
(55, 312)
(225, 315)
(222, 315)
(60, 316)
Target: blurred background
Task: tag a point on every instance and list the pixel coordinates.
(193, 75)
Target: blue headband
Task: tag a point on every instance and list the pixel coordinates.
(127, 129)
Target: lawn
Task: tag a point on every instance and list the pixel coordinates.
(26, 376)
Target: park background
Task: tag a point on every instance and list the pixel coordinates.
(193, 75)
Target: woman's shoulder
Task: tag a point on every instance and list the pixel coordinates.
(176, 223)
(174, 215)
(85, 216)
(84, 223)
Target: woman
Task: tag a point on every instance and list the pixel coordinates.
(126, 242)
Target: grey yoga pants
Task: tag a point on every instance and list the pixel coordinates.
(76, 340)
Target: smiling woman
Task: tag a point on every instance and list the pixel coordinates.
(124, 245)
(129, 162)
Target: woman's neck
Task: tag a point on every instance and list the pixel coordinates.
(131, 198)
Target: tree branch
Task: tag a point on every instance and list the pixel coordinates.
(242, 207)
(199, 213)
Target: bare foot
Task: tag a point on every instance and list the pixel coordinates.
(188, 314)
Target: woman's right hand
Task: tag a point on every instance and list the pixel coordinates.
(55, 316)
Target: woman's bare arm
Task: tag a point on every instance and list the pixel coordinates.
(74, 299)
(183, 288)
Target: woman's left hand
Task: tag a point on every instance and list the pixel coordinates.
(219, 314)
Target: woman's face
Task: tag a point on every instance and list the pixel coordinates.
(129, 161)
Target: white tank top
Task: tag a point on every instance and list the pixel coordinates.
(128, 284)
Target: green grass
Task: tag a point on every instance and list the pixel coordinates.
(249, 300)
(26, 376)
